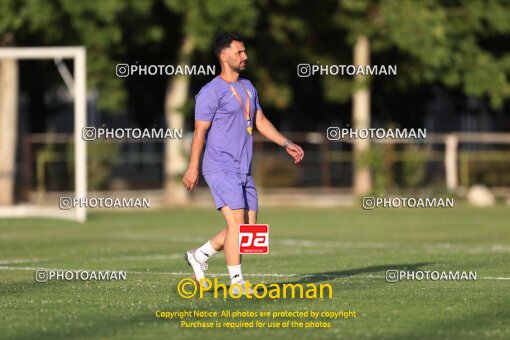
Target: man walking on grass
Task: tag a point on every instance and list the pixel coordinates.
(227, 110)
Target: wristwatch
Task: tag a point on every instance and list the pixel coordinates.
(287, 142)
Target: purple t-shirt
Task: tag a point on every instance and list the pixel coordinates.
(228, 146)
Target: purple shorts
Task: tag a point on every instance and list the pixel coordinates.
(233, 189)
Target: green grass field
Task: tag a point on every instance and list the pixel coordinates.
(347, 247)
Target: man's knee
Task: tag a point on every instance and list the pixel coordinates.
(234, 217)
(239, 217)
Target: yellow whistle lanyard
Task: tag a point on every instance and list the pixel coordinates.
(246, 108)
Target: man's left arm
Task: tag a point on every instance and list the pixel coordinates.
(267, 129)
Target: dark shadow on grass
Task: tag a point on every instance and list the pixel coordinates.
(90, 327)
(332, 275)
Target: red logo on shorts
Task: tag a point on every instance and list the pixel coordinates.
(253, 239)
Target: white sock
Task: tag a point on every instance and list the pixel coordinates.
(205, 252)
(235, 273)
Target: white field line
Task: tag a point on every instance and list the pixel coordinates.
(224, 274)
(491, 248)
(140, 257)
(151, 237)
(181, 273)
(113, 258)
(377, 245)
(14, 261)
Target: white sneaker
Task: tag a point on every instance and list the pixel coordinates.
(240, 287)
(199, 268)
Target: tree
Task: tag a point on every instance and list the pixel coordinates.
(437, 42)
(97, 25)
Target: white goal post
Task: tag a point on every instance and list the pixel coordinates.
(78, 55)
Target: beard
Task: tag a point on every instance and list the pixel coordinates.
(238, 68)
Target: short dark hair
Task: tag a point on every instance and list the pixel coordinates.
(223, 40)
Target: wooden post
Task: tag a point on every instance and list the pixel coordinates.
(450, 162)
(8, 128)
(361, 118)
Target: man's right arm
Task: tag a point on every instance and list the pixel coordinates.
(190, 179)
